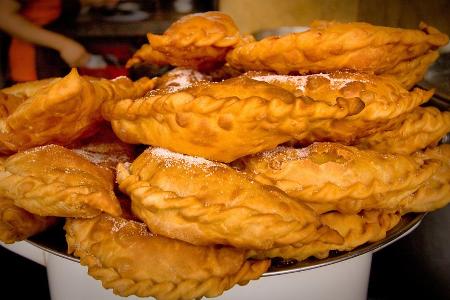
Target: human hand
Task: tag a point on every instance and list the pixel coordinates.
(74, 54)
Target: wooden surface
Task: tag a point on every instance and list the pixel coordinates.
(252, 16)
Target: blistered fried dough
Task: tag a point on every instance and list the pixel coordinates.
(17, 224)
(63, 110)
(54, 181)
(383, 98)
(239, 115)
(435, 192)
(127, 258)
(9, 103)
(331, 46)
(331, 176)
(356, 230)
(198, 41)
(410, 132)
(207, 203)
(104, 148)
(410, 72)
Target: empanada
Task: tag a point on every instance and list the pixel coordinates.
(199, 41)
(222, 121)
(129, 259)
(332, 46)
(207, 203)
(62, 109)
(54, 181)
(331, 176)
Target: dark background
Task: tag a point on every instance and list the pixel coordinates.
(416, 267)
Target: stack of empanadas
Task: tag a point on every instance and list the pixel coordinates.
(288, 147)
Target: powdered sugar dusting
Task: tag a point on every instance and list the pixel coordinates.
(301, 81)
(170, 157)
(100, 158)
(119, 223)
(182, 78)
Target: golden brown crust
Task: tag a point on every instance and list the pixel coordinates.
(241, 115)
(384, 99)
(410, 72)
(435, 192)
(331, 176)
(356, 230)
(331, 46)
(62, 110)
(207, 203)
(127, 258)
(198, 41)
(17, 224)
(54, 181)
(408, 133)
(178, 79)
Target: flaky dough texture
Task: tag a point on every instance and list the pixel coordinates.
(54, 181)
(331, 46)
(383, 97)
(198, 41)
(222, 121)
(62, 109)
(409, 132)
(331, 176)
(207, 203)
(127, 258)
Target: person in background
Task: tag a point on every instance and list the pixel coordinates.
(37, 49)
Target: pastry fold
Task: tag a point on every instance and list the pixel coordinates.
(241, 115)
(54, 181)
(127, 258)
(206, 203)
(383, 97)
(17, 224)
(198, 41)
(331, 46)
(61, 110)
(356, 230)
(331, 176)
(409, 132)
(435, 192)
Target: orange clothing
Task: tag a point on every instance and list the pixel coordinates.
(22, 54)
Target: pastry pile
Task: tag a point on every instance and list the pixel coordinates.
(182, 186)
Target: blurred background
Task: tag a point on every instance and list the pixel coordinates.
(99, 36)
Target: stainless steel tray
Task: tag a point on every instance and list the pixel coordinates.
(53, 241)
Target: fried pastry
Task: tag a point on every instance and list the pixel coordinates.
(62, 110)
(435, 192)
(207, 203)
(332, 46)
(104, 148)
(410, 72)
(29, 88)
(127, 258)
(54, 181)
(17, 224)
(384, 99)
(409, 133)
(331, 176)
(222, 121)
(356, 230)
(199, 41)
